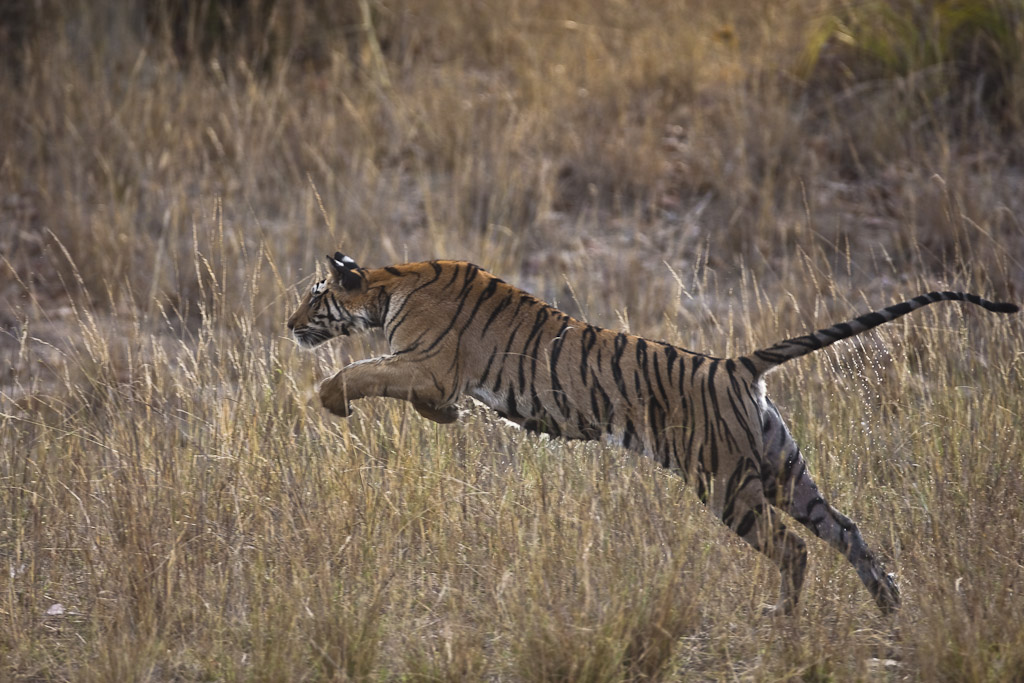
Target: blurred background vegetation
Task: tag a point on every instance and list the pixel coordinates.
(518, 128)
(717, 173)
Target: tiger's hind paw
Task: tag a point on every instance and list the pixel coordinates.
(887, 594)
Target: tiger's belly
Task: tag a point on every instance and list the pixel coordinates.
(532, 416)
(566, 423)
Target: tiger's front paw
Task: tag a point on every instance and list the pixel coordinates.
(443, 415)
(333, 398)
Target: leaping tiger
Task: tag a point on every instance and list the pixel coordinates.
(455, 329)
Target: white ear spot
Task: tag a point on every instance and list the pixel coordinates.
(348, 262)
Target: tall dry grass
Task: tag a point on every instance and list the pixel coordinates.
(169, 180)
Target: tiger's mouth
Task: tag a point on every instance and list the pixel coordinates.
(310, 337)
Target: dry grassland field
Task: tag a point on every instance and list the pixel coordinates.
(175, 505)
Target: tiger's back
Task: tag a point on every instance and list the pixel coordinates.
(455, 330)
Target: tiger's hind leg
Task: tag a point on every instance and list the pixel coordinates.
(789, 486)
(754, 520)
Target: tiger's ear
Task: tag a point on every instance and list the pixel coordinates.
(345, 271)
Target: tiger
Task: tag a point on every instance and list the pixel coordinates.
(455, 330)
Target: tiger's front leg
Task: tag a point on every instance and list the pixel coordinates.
(392, 378)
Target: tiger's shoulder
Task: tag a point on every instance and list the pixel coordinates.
(446, 282)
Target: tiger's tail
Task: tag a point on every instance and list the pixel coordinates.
(763, 360)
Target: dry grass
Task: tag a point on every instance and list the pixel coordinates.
(167, 478)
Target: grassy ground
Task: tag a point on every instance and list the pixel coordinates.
(174, 505)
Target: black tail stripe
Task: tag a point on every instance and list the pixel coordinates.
(872, 319)
(840, 331)
(902, 309)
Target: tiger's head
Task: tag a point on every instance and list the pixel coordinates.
(337, 306)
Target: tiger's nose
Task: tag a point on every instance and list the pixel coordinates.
(291, 323)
